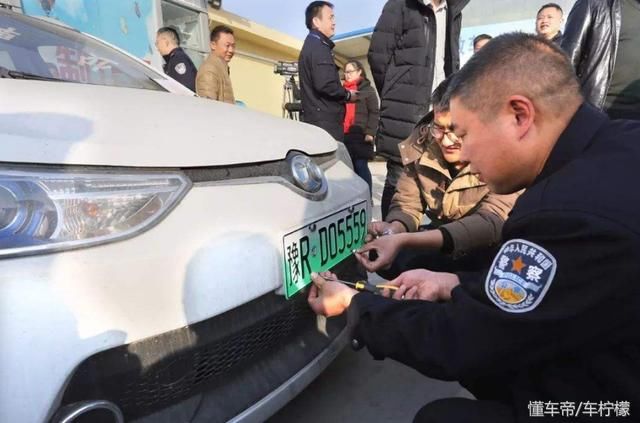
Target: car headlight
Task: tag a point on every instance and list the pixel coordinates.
(306, 173)
(52, 210)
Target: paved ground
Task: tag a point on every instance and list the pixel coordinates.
(357, 388)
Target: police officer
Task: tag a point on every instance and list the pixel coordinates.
(323, 96)
(177, 64)
(551, 328)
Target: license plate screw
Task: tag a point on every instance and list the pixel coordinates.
(312, 227)
(314, 251)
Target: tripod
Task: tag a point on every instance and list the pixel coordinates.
(291, 107)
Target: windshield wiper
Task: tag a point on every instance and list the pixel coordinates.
(8, 73)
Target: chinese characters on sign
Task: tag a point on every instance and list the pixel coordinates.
(8, 34)
(573, 409)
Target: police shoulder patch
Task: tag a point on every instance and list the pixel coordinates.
(181, 68)
(520, 276)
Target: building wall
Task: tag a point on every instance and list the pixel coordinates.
(258, 49)
(254, 82)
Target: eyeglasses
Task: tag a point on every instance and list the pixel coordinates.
(351, 71)
(439, 133)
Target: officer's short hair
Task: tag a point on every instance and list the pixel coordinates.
(554, 5)
(220, 29)
(516, 63)
(313, 11)
(172, 33)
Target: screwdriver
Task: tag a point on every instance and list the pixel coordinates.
(364, 286)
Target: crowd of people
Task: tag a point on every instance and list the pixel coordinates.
(522, 286)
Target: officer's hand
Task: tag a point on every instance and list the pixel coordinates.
(329, 298)
(386, 248)
(368, 138)
(422, 284)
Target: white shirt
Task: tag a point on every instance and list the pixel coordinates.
(441, 38)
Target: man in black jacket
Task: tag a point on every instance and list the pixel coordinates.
(551, 328)
(549, 22)
(323, 96)
(414, 47)
(177, 64)
(602, 38)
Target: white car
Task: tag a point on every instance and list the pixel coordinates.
(154, 246)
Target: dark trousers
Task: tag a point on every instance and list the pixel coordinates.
(462, 410)
(361, 167)
(394, 170)
(410, 259)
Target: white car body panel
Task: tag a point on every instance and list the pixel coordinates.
(109, 295)
(98, 125)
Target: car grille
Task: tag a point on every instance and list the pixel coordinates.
(151, 374)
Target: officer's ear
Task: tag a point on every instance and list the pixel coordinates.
(315, 23)
(523, 113)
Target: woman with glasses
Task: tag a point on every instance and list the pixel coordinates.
(465, 218)
(361, 120)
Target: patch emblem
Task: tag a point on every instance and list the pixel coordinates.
(181, 68)
(520, 276)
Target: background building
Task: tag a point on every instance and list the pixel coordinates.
(258, 50)
(129, 24)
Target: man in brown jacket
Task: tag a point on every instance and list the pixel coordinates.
(213, 79)
(466, 218)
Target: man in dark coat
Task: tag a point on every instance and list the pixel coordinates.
(549, 21)
(323, 96)
(602, 38)
(414, 47)
(550, 329)
(177, 64)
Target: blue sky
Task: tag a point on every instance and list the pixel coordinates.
(288, 15)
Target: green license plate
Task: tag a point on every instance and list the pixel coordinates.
(321, 245)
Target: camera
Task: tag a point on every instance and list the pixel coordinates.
(286, 68)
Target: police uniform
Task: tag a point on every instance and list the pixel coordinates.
(179, 66)
(556, 318)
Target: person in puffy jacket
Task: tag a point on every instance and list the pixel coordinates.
(415, 46)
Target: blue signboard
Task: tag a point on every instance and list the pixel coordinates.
(128, 24)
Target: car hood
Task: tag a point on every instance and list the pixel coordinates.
(76, 124)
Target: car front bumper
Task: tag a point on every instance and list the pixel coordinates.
(219, 249)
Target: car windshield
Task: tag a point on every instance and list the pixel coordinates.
(34, 49)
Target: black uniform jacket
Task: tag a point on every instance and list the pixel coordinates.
(323, 96)
(575, 334)
(179, 66)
